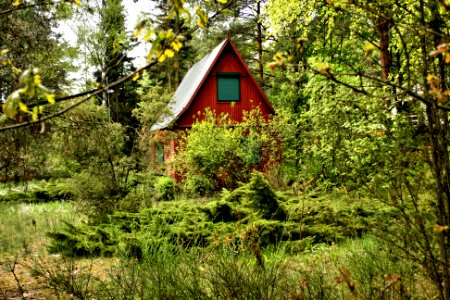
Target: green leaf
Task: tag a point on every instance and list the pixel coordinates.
(35, 114)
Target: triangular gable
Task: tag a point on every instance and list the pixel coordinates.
(193, 82)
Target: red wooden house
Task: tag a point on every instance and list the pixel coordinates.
(221, 82)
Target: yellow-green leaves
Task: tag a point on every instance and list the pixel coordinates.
(30, 88)
(4, 60)
(118, 44)
(166, 44)
(169, 53)
(77, 2)
(176, 45)
(202, 17)
(278, 61)
(139, 75)
(135, 77)
(35, 114)
(50, 98)
(324, 69)
(368, 49)
(37, 79)
(16, 3)
(139, 28)
(178, 6)
(23, 107)
(148, 36)
(10, 106)
(162, 57)
(439, 228)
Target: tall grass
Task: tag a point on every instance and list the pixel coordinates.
(358, 269)
(23, 227)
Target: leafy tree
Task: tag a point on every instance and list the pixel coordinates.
(28, 40)
(398, 63)
(91, 148)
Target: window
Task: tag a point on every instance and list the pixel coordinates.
(160, 153)
(228, 87)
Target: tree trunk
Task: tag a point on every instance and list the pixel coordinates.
(259, 40)
(383, 33)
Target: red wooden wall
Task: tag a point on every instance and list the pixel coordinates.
(206, 96)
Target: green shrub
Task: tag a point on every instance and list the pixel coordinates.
(223, 153)
(138, 197)
(197, 185)
(260, 196)
(298, 246)
(221, 211)
(20, 197)
(96, 194)
(83, 241)
(44, 192)
(165, 187)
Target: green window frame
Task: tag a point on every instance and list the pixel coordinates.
(160, 153)
(229, 86)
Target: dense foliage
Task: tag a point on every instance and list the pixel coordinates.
(359, 143)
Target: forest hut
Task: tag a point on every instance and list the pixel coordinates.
(220, 82)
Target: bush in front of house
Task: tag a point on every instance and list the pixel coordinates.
(224, 152)
(165, 187)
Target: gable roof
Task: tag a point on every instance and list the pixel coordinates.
(192, 82)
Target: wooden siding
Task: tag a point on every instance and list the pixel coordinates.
(169, 151)
(206, 96)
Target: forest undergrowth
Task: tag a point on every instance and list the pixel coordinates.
(248, 243)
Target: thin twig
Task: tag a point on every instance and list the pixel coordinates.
(19, 286)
